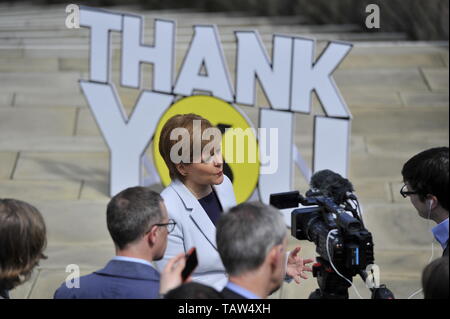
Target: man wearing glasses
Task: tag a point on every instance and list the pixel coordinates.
(138, 223)
(426, 183)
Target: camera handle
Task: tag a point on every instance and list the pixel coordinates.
(381, 292)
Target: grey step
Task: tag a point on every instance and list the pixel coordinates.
(38, 80)
(220, 19)
(225, 39)
(148, 31)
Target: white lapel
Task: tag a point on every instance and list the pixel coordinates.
(197, 213)
(225, 194)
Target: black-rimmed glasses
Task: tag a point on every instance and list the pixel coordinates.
(405, 193)
(170, 225)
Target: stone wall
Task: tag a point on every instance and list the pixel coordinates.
(419, 19)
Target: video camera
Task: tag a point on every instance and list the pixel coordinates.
(350, 247)
(329, 220)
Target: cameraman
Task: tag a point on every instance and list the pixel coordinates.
(426, 183)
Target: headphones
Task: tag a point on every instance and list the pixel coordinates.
(430, 203)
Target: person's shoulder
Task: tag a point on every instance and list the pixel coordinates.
(226, 184)
(226, 181)
(226, 192)
(95, 286)
(171, 200)
(74, 288)
(167, 190)
(229, 294)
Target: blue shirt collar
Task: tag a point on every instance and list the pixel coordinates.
(133, 260)
(241, 291)
(440, 232)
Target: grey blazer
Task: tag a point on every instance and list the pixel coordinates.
(195, 229)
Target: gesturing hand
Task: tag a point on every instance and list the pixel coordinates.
(297, 266)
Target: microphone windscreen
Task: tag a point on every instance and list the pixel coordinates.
(332, 185)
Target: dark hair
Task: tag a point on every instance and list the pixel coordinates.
(435, 279)
(131, 213)
(427, 173)
(193, 290)
(22, 242)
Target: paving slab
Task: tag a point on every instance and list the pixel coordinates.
(399, 146)
(400, 60)
(393, 79)
(74, 98)
(53, 144)
(397, 226)
(29, 190)
(304, 143)
(44, 34)
(86, 125)
(77, 51)
(7, 163)
(74, 222)
(444, 56)
(12, 52)
(6, 99)
(361, 97)
(400, 121)
(72, 166)
(365, 166)
(10, 64)
(95, 255)
(16, 122)
(425, 99)
(95, 190)
(36, 81)
(413, 47)
(437, 78)
(75, 64)
(369, 191)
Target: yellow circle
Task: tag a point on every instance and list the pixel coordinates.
(242, 158)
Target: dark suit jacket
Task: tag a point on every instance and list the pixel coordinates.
(230, 294)
(4, 294)
(445, 251)
(118, 280)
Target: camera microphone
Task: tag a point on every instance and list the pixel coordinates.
(333, 185)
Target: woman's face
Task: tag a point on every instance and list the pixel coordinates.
(208, 172)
